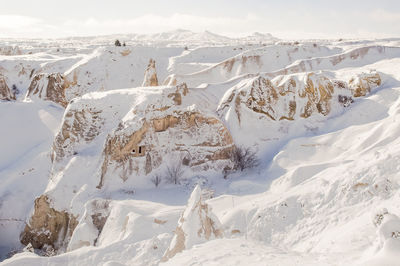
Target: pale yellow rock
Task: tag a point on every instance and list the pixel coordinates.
(5, 92)
(48, 226)
(363, 83)
(50, 87)
(150, 75)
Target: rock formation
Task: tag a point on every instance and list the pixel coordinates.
(79, 126)
(5, 92)
(48, 226)
(291, 96)
(363, 83)
(10, 50)
(196, 225)
(49, 87)
(150, 75)
(318, 91)
(200, 141)
(90, 225)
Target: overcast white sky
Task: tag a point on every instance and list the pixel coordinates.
(282, 18)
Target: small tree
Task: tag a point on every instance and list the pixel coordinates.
(117, 43)
(124, 44)
(174, 172)
(156, 180)
(244, 157)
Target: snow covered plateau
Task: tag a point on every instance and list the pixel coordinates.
(185, 148)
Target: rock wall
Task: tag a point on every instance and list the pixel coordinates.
(48, 226)
(5, 92)
(49, 87)
(78, 126)
(288, 97)
(200, 141)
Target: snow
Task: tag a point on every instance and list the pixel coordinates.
(309, 202)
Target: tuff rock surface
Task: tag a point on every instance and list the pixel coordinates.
(196, 225)
(49, 87)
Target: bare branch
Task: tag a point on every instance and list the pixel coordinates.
(244, 157)
(156, 180)
(174, 172)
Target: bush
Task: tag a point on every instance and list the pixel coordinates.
(174, 172)
(14, 89)
(156, 180)
(243, 158)
(117, 43)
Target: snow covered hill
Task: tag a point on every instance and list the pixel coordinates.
(131, 155)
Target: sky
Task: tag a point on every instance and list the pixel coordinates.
(282, 18)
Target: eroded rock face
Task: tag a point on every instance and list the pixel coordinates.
(49, 87)
(199, 141)
(5, 92)
(138, 132)
(181, 90)
(196, 225)
(150, 75)
(48, 226)
(363, 83)
(78, 126)
(318, 92)
(287, 97)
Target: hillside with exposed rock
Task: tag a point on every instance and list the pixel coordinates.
(181, 147)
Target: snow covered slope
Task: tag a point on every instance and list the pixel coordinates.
(97, 161)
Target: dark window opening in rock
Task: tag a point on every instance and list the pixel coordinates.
(140, 150)
(133, 151)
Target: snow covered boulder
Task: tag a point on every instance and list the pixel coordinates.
(363, 83)
(197, 224)
(388, 226)
(5, 92)
(388, 230)
(49, 87)
(150, 75)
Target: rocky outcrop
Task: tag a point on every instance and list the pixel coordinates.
(10, 50)
(199, 141)
(196, 225)
(139, 131)
(318, 91)
(90, 225)
(181, 90)
(150, 75)
(47, 226)
(363, 83)
(5, 92)
(78, 126)
(288, 97)
(138, 139)
(49, 87)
